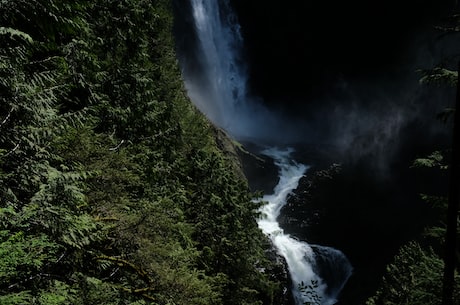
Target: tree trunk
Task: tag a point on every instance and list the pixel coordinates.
(452, 209)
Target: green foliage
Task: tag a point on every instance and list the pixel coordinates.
(435, 159)
(415, 277)
(23, 256)
(112, 187)
(224, 217)
(22, 297)
(59, 293)
(439, 76)
(436, 234)
(416, 274)
(15, 33)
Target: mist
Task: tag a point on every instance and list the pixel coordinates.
(386, 116)
(226, 101)
(372, 117)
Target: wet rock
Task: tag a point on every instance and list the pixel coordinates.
(304, 208)
(260, 170)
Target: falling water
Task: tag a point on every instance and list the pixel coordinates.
(306, 263)
(220, 40)
(219, 90)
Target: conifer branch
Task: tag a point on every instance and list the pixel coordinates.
(108, 218)
(448, 29)
(141, 272)
(140, 291)
(121, 262)
(13, 150)
(6, 118)
(118, 146)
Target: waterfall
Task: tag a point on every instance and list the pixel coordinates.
(217, 86)
(324, 269)
(220, 40)
(218, 80)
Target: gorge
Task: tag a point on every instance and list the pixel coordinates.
(221, 94)
(323, 153)
(374, 126)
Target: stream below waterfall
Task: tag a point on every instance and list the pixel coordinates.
(308, 285)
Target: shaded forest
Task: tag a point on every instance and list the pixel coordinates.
(113, 188)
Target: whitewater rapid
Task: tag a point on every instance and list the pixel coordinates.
(300, 256)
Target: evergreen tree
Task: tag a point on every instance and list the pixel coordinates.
(112, 187)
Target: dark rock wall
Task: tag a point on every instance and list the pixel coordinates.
(296, 48)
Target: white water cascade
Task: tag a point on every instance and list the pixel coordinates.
(301, 258)
(219, 90)
(220, 38)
